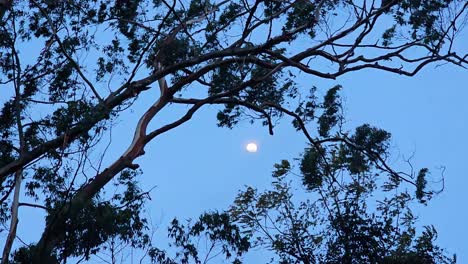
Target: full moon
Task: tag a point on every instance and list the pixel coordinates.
(251, 147)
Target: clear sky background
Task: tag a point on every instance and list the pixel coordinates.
(199, 167)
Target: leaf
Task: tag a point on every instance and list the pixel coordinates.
(281, 168)
(331, 106)
(421, 185)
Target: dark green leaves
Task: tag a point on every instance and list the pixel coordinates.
(65, 118)
(420, 19)
(334, 223)
(388, 35)
(198, 7)
(364, 148)
(127, 11)
(371, 139)
(421, 183)
(306, 109)
(100, 220)
(7, 119)
(281, 168)
(215, 229)
(302, 15)
(313, 168)
(6, 152)
(330, 116)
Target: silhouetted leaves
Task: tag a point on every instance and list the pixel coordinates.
(421, 185)
(330, 116)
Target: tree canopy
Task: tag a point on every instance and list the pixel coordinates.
(69, 69)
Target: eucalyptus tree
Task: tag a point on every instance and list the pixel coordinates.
(70, 68)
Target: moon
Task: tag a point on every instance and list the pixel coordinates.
(251, 147)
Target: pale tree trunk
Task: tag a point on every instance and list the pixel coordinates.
(14, 218)
(19, 173)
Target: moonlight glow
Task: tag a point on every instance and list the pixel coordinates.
(251, 147)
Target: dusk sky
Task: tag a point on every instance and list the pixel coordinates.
(199, 167)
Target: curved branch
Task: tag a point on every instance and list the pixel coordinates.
(230, 101)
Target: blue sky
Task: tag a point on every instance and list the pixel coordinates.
(199, 166)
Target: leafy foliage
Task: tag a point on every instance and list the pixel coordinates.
(335, 222)
(217, 228)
